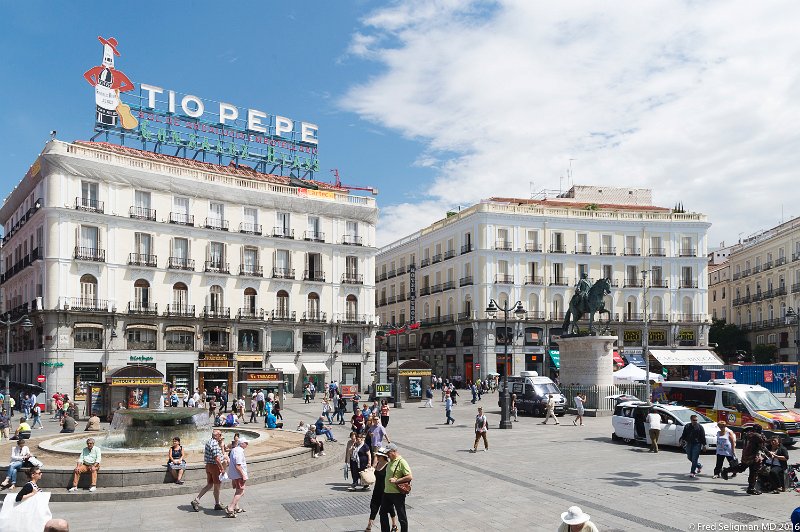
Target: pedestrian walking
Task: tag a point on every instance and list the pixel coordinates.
(653, 422)
(580, 400)
(360, 459)
(429, 397)
(726, 448)
(514, 409)
(381, 460)
(376, 433)
(454, 394)
(752, 458)
(254, 409)
(786, 386)
(574, 520)
(551, 410)
(37, 416)
(398, 473)
(341, 410)
(474, 393)
(448, 408)
(306, 394)
(481, 428)
(385, 413)
(695, 438)
(276, 409)
(215, 465)
(237, 472)
(792, 383)
(326, 410)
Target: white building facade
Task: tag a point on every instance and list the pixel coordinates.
(533, 251)
(121, 256)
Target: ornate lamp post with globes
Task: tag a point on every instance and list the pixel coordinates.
(27, 326)
(505, 395)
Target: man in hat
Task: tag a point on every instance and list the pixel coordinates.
(397, 472)
(574, 520)
(237, 472)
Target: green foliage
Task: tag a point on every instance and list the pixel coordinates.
(765, 353)
(592, 207)
(728, 337)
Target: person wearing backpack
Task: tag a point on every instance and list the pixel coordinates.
(481, 428)
(37, 416)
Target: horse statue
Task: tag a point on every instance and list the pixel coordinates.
(590, 304)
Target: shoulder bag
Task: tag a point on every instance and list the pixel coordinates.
(405, 487)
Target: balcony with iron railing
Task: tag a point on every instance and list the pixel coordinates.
(251, 270)
(436, 258)
(216, 266)
(534, 315)
(693, 318)
(632, 252)
(633, 283)
(768, 265)
(251, 314)
(282, 273)
(747, 272)
(314, 236)
(425, 291)
(780, 261)
(688, 252)
(88, 343)
(142, 213)
(142, 259)
(659, 283)
(534, 280)
(465, 281)
(449, 254)
(380, 302)
(179, 218)
(181, 343)
(633, 316)
(608, 250)
(352, 240)
(280, 232)
(217, 224)
(558, 248)
(614, 283)
(180, 310)
(352, 278)
(436, 288)
(448, 285)
(502, 245)
(90, 254)
(381, 277)
(557, 316)
(559, 281)
(20, 265)
(424, 262)
(249, 229)
(89, 205)
(220, 345)
(656, 316)
(86, 304)
(391, 274)
(391, 300)
(13, 229)
(180, 263)
(283, 315)
(583, 250)
(314, 275)
(214, 312)
(757, 268)
(466, 248)
(314, 317)
(737, 276)
(688, 283)
(401, 297)
(504, 278)
(143, 308)
(533, 247)
(657, 252)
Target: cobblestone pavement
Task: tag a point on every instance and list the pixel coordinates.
(530, 475)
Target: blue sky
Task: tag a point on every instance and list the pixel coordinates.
(440, 103)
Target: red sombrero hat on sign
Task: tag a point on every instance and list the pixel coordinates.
(111, 41)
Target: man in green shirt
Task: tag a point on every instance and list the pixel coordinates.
(397, 472)
(88, 462)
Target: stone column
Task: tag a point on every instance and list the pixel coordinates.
(587, 360)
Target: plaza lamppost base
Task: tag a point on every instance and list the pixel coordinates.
(505, 410)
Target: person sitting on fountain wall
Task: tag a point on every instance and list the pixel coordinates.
(88, 462)
(231, 420)
(93, 425)
(68, 423)
(176, 461)
(23, 432)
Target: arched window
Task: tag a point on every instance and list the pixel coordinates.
(250, 295)
(88, 291)
(180, 298)
(313, 307)
(468, 306)
(502, 299)
(351, 307)
(215, 299)
(687, 307)
(760, 314)
(141, 294)
(282, 305)
(771, 313)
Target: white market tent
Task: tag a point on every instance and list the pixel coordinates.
(632, 372)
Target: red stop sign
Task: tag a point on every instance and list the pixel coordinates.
(477, 365)
(40, 379)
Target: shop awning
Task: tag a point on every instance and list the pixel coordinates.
(686, 357)
(287, 368)
(183, 328)
(142, 326)
(618, 359)
(88, 325)
(555, 356)
(315, 367)
(215, 370)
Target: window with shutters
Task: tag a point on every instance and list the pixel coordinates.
(141, 289)
(250, 261)
(351, 308)
(88, 291)
(250, 301)
(180, 297)
(215, 298)
(143, 244)
(180, 248)
(313, 307)
(89, 237)
(283, 224)
(216, 255)
(282, 304)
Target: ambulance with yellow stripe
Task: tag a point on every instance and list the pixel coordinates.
(741, 406)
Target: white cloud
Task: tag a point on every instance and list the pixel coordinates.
(697, 100)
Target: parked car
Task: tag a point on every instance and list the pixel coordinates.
(629, 423)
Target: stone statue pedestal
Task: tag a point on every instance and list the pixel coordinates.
(587, 360)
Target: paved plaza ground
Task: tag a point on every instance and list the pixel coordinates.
(530, 475)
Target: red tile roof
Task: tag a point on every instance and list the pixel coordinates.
(232, 169)
(580, 204)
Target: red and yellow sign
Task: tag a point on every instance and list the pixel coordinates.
(136, 381)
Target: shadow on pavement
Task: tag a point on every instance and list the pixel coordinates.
(337, 486)
(731, 493)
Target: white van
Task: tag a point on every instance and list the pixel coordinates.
(532, 392)
(629, 423)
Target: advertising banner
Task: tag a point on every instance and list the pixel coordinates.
(415, 387)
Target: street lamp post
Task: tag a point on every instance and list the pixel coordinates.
(505, 395)
(646, 338)
(27, 326)
(793, 316)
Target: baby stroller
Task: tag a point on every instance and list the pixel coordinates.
(793, 472)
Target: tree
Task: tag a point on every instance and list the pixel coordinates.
(765, 353)
(729, 339)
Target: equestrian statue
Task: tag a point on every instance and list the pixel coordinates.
(588, 299)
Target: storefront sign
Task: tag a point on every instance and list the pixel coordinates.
(215, 357)
(48, 364)
(657, 336)
(165, 117)
(135, 381)
(632, 336)
(415, 372)
(264, 376)
(349, 390)
(686, 335)
(383, 390)
(140, 358)
(249, 358)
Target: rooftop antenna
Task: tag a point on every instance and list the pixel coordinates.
(531, 188)
(560, 185)
(569, 173)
